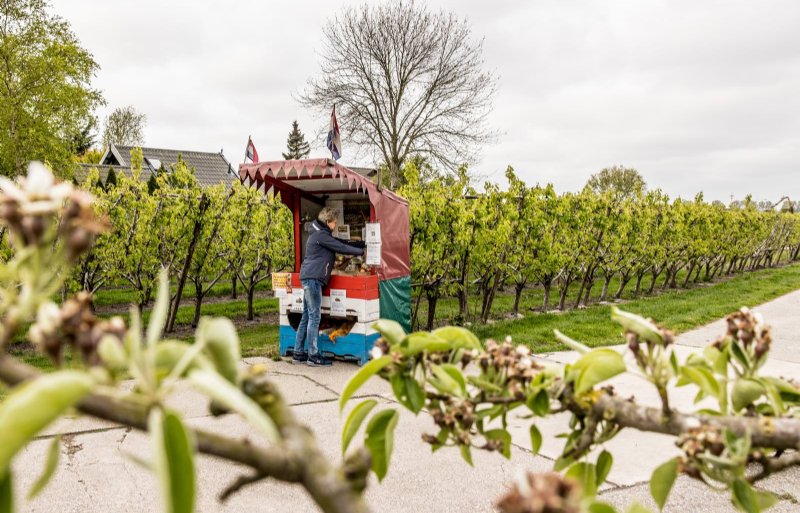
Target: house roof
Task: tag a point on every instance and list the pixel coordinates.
(209, 168)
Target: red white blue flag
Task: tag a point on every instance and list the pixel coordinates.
(334, 138)
(250, 152)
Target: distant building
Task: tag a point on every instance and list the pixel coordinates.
(209, 168)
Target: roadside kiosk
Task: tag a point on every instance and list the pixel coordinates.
(360, 291)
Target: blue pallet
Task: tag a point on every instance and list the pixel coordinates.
(353, 347)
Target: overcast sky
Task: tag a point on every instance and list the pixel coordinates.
(696, 95)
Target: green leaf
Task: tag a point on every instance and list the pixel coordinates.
(741, 355)
(360, 377)
(158, 317)
(562, 462)
(222, 345)
(595, 367)
(456, 374)
(458, 337)
(483, 384)
(32, 406)
(416, 395)
(638, 508)
(502, 435)
(572, 344)
(646, 329)
(420, 341)
(662, 480)
(466, 454)
(390, 330)
(50, 466)
(174, 457)
(230, 396)
(586, 475)
(601, 507)
(444, 382)
(765, 499)
(354, 421)
(380, 440)
(168, 353)
(744, 496)
(6, 493)
(536, 439)
(703, 378)
(745, 392)
(539, 403)
(604, 463)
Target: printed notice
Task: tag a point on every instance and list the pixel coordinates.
(342, 232)
(282, 285)
(297, 301)
(373, 253)
(373, 232)
(338, 303)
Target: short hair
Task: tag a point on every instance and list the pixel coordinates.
(328, 214)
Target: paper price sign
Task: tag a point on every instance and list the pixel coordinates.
(373, 232)
(297, 301)
(373, 253)
(338, 303)
(282, 285)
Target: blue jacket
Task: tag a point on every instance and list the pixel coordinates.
(321, 250)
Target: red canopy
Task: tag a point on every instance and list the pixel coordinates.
(310, 178)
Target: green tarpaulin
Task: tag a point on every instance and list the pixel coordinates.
(396, 301)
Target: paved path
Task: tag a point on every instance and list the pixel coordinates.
(94, 475)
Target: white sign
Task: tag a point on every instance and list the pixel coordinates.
(338, 303)
(297, 301)
(373, 253)
(342, 232)
(373, 232)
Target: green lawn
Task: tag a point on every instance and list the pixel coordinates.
(678, 310)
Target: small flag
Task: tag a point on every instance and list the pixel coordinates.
(334, 139)
(250, 152)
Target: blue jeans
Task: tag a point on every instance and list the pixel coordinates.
(309, 323)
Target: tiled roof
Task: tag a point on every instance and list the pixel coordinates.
(209, 168)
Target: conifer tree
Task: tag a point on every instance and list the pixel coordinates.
(296, 144)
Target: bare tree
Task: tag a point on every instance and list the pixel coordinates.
(405, 81)
(125, 126)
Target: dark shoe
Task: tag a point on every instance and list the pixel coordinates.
(299, 357)
(316, 360)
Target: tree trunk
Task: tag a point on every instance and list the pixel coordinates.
(655, 275)
(688, 275)
(623, 282)
(638, 288)
(546, 302)
(198, 302)
(563, 297)
(198, 225)
(518, 288)
(416, 311)
(432, 299)
(251, 292)
(233, 285)
(604, 292)
(587, 295)
(463, 290)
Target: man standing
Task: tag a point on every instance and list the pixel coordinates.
(315, 272)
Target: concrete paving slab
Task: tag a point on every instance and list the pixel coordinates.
(780, 313)
(96, 477)
(692, 496)
(333, 378)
